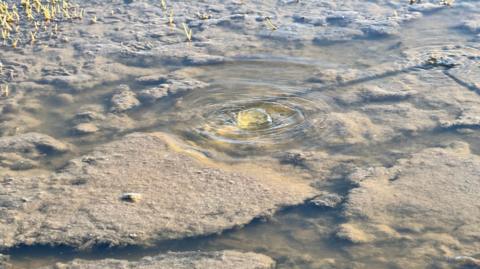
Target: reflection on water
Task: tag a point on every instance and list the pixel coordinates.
(245, 112)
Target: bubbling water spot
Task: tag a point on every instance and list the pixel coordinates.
(248, 121)
(253, 118)
(258, 122)
(247, 117)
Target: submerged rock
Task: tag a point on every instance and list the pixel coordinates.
(352, 234)
(89, 115)
(155, 93)
(327, 199)
(93, 119)
(124, 100)
(180, 260)
(32, 144)
(70, 82)
(167, 86)
(85, 128)
(183, 195)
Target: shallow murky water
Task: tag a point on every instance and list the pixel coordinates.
(290, 103)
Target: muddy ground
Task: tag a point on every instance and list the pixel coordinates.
(121, 144)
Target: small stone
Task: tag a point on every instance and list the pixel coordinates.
(131, 197)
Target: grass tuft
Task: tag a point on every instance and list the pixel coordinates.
(188, 32)
(31, 20)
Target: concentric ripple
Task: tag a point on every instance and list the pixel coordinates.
(237, 122)
(467, 74)
(256, 122)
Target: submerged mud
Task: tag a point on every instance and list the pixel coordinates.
(322, 134)
(224, 259)
(429, 201)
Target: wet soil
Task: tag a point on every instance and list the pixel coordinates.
(368, 157)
